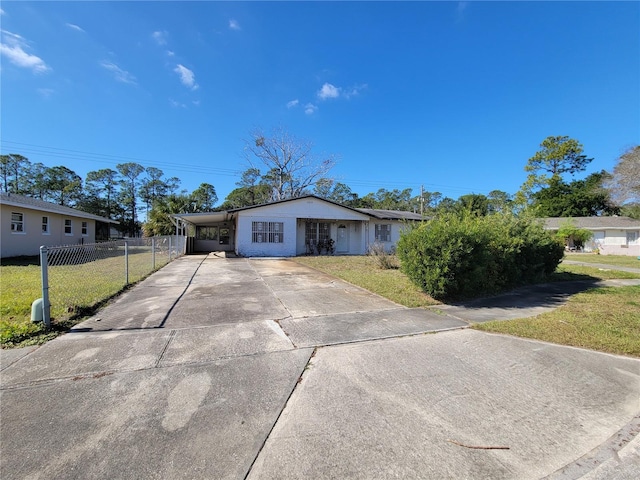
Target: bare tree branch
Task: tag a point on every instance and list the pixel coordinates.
(291, 165)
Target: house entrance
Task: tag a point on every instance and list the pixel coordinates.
(342, 244)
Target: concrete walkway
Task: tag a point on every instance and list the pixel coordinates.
(237, 368)
(604, 266)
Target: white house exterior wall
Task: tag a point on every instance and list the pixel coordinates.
(294, 214)
(29, 242)
(615, 243)
(245, 246)
(396, 229)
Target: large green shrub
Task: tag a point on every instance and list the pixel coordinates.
(455, 256)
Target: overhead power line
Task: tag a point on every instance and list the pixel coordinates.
(65, 153)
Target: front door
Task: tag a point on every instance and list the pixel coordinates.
(342, 244)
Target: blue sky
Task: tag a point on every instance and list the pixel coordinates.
(455, 96)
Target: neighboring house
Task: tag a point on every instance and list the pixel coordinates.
(296, 226)
(611, 235)
(28, 223)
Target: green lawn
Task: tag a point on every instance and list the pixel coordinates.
(614, 260)
(75, 291)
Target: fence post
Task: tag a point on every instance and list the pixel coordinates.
(153, 253)
(44, 273)
(169, 247)
(126, 262)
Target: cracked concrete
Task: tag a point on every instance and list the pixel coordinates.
(236, 368)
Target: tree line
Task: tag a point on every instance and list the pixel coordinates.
(120, 194)
(280, 166)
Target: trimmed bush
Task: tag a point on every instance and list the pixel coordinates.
(461, 256)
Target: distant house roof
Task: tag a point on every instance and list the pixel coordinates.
(593, 223)
(390, 214)
(15, 200)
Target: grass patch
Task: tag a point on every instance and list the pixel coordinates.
(566, 272)
(363, 272)
(76, 291)
(604, 319)
(613, 260)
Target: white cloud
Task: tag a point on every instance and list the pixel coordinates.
(187, 77)
(13, 47)
(460, 10)
(310, 108)
(1, 11)
(170, 53)
(119, 74)
(234, 25)
(354, 91)
(292, 103)
(176, 104)
(328, 91)
(160, 37)
(74, 27)
(46, 92)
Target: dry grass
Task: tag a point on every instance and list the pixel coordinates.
(362, 271)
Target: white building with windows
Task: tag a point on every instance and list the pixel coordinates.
(298, 226)
(611, 235)
(27, 223)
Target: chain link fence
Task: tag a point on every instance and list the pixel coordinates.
(77, 277)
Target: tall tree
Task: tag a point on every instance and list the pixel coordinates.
(580, 198)
(499, 202)
(246, 197)
(35, 180)
(204, 197)
(101, 186)
(335, 191)
(63, 186)
(431, 201)
(475, 204)
(624, 184)
(12, 168)
(152, 187)
(130, 173)
(558, 155)
(291, 166)
(250, 191)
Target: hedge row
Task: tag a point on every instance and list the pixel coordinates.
(456, 256)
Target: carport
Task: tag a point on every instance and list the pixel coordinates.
(210, 232)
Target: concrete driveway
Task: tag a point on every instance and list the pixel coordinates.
(237, 368)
